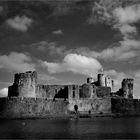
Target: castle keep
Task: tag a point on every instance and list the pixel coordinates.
(27, 98)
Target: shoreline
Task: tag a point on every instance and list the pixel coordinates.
(71, 117)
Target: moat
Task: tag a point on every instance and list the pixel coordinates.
(100, 128)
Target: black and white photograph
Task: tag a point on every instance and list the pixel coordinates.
(70, 69)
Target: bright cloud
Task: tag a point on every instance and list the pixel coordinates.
(4, 92)
(126, 29)
(51, 48)
(75, 63)
(122, 19)
(58, 32)
(18, 62)
(20, 23)
(124, 50)
(128, 15)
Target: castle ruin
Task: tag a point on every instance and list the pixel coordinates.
(25, 85)
(27, 98)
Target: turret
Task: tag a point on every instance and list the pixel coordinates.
(108, 82)
(127, 88)
(88, 91)
(112, 81)
(24, 84)
(101, 80)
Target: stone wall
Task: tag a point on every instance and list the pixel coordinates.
(103, 91)
(50, 91)
(96, 105)
(17, 107)
(125, 106)
(73, 92)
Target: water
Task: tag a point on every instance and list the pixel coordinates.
(98, 128)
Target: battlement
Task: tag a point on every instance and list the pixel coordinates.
(22, 78)
(128, 81)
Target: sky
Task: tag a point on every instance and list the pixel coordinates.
(66, 41)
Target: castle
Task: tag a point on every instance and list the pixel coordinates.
(25, 85)
(27, 98)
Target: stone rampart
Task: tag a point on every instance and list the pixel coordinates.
(125, 106)
(95, 105)
(18, 107)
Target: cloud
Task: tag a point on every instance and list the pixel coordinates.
(51, 48)
(126, 29)
(128, 15)
(74, 63)
(61, 9)
(125, 19)
(58, 32)
(17, 62)
(99, 14)
(1, 9)
(46, 78)
(122, 19)
(4, 92)
(125, 50)
(20, 23)
(122, 51)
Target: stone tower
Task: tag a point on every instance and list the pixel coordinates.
(24, 84)
(127, 88)
(108, 82)
(90, 80)
(101, 80)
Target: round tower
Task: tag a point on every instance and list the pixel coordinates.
(87, 91)
(127, 87)
(101, 80)
(26, 83)
(108, 82)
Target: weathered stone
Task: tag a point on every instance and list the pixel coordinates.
(127, 87)
(60, 100)
(103, 92)
(24, 85)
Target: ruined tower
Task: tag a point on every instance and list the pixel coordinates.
(90, 80)
(127, 88)
(101, 80)
(108, 82)
(24, 85)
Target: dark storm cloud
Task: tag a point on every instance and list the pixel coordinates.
(40, 7)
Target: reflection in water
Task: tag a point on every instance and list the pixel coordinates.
(83, 128)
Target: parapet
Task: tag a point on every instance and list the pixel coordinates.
(128, 80)
(22, 78)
